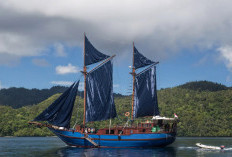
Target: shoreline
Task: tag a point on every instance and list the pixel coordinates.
(25, 136)
(176, 136)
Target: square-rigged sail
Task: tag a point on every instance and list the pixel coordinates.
(145, 94)
(99, 86)
(144, 97)
(60, 111)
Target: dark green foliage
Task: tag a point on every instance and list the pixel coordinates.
(204, 86)
(201, 113)
(19, 97)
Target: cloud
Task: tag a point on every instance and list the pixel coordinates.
(62, 70)
(226, 55)
(159, 28)
(62, 83)
(40, 62)
(115, 85)
(81, 86)
(59, 49)
(228, 79)
(9, 59)
(203, 60)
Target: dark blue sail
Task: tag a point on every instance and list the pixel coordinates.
(139, 60)
(60, 111)
(146, 103)
(100, 101)
(92, 55)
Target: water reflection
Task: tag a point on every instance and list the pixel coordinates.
(51, 146)
(96, 152)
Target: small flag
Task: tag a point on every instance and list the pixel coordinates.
(175, 116)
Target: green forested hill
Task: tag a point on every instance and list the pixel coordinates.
(19, 97)
(204, 86)
(201, 113)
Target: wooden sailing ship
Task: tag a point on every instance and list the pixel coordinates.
(99, 105)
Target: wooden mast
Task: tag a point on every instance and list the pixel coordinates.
(133, 74)
(85, 73)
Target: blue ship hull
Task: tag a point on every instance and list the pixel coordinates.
(78, 139)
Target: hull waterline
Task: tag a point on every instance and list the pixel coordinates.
(146, 140)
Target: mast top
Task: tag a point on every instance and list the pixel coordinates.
(91, 54)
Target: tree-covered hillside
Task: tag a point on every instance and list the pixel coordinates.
(204, 86)
(19, 97)
(201, 113)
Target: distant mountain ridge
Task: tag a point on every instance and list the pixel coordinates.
(204, 86)
(19, 97)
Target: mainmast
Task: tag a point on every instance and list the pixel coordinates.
(133, 91)
(85, 73)
(91, 56)
(143, 86)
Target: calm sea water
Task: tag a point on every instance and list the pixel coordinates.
(53, 146)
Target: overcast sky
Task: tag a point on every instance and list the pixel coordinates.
(38, 34)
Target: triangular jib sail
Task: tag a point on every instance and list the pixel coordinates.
(60, 111)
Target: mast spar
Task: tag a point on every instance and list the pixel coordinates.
(85, 73)
(133, 91)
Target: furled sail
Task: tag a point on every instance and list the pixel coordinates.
(139, 60)
(99, 87)
(60, 111)
(92, 55)
(145, 93)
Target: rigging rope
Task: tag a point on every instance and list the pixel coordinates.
(78, 101)
(124, 126)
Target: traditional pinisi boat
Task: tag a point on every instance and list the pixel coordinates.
(99, 105)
